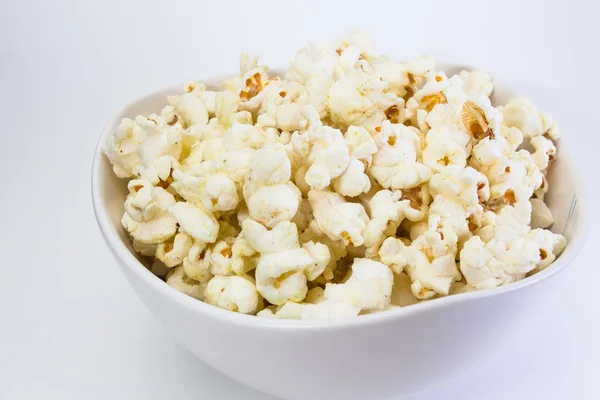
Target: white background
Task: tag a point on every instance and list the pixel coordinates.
(71, 326)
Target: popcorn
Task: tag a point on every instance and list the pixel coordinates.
(280, 276)
(160, 173)
(161, 226)
(359, 41)
(314, 59)
(541, 216)
(196, 264)
(320, 255)
(290, 310)
(330, 161)
(401, 293)
(428, 260)
(440, 154)
(360, 142)
(121, 149)
(353, 181)
(270, 196)
(545, 151)
(189, 108)
(431, 93)
(329, 310)
(317, 89)
(325, 150)
(431, 265)
(269, 166)
(144, 249)
(323, 310)
(282, 106)
(157, 139)
(393, 254)
(457, 197)
(524, 115)
(388, 209)
(315, 295)
(550, 246)
(245, 257)
(482, 270)
(216, 192)
(172, 253)
(235, 164)
(516, 218)
(352, 185)
(210, 147)
(221, 257)
(251, 93)
(266, 313)
(233, 293)
(475, 116)
(369, 286)
(246, 136)
(512, 136)
(283, 236)
(513, 177)
(180, 281)
(354, 98)
(337, 218)
(196, 222)
(304, 216)
(476, 83)
(395, 165)
(337, 248)
(540, 192)
(142, 202)
(403, 78)
(288, 117)
(272, 204)
(506, 249)
(281, 256)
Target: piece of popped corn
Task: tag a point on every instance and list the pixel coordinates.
(196, 264)
(337, 218)
(395, 165)
(523, 114)
(280, 276)
(199, 224)
(369, 286)
(121, 148)
(541, 216)
(354, 98)
(172, 252)
(282, 236)
(178, 280)
(157, 139)
(159, 225)
(215, 192)
(233, 293)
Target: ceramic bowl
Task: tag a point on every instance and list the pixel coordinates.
(368, 357)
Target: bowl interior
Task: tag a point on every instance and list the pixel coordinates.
(564, 198)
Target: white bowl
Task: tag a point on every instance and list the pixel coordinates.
(368, 357)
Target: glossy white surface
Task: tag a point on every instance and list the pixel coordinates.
(74, 328)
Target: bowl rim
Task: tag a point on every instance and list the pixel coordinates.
(129, 261)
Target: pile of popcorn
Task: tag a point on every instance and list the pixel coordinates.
(353, 184)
